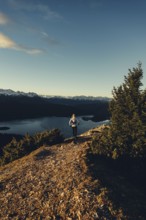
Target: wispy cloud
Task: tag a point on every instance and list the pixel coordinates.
(8, 43)
(31, 6)
(51, 41)
(4, 20)
(28, 50)
(47, 12)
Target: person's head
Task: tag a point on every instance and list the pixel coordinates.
(73, 116)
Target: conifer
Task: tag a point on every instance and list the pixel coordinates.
(127, 132)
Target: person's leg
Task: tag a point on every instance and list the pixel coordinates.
(75, 134)
(73, 130)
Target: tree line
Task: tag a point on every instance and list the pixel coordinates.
(23, 107)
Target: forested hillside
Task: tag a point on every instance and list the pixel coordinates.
(20, 107)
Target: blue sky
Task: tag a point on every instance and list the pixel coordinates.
(70, 47)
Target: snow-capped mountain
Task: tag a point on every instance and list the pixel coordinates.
(79, 98)
(9, 92)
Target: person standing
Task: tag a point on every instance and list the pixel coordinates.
(73, 122)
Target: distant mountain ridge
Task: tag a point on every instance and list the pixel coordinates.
(21, 105)
(10, 92)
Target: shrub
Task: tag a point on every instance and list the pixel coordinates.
(17, 149)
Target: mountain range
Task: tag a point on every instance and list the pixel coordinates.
(21, 105)
(9, 92)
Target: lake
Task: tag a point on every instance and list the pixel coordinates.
(33, 126)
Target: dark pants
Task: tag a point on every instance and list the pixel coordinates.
(74, 129)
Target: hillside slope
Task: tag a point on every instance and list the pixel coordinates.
(56, 183)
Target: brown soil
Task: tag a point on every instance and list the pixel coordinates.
(54, 183)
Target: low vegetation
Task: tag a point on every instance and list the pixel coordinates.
(17, 149)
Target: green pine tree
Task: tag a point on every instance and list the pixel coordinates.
(127, 132)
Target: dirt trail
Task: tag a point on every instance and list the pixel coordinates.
(53, 183)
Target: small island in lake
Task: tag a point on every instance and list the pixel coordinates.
(4, 128)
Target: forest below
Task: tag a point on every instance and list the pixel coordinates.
(22, 107)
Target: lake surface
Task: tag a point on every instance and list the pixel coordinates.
(33, 126)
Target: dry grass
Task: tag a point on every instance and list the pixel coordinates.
(56, 183)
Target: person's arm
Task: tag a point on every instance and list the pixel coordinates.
(70, 122)
(77, 122)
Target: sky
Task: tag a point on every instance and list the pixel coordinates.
(70, 47)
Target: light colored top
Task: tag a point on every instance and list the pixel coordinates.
(73, 122)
